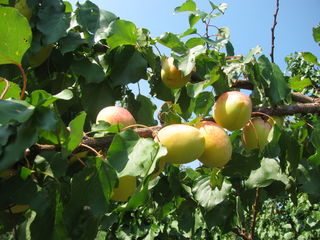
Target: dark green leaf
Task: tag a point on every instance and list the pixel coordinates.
(88, 16)
(316, 33)
(53, 21)
(70, 42)
(308, 178)
(15, 110)
(127, 66)
(90, 70)
(268, 172)
(15, 35)
(203, 103)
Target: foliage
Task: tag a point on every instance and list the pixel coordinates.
(46, 165)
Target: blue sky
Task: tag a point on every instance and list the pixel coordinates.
(250, 22)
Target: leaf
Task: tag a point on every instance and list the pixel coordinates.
(88, 15)
(241, 166)
(268, 172)
(15, 35)
(203, 103)
(106, 18)
(71, 42)
(127, 66)
(86, 205)
(42, 98)
(193, 19)
(142, 109)
(187, 62)
(52, 21)
(298, 84)
(308, 178)
(76, 134)
(120, 33)
(278, 90)
(189, 5)
(309, 57)
(208, 197)
(15, 110)
(13, 91)
(130, 155)
(316, 33)
(90, 70)
(171, 41)
(26, 136)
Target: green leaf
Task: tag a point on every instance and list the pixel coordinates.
(268, 172)
(41, 97)
(71, 42)
(13, 91)
(127, 66)
(298, 84)
(207, 196)
(171, 41)
(26, 136)
(86, 205)
(308, 178)
(15, 110)
(120, 33)
(130, 155)
(189, 5)
(193, 19)
(106, 18)
(15, 35)
(5, 133)
(279, 89)
(142, 109)
(309, 57)
(52, 21)
(90, 70)
(203, 103)
(76, 134)
(187, 62)
(88, 15)
(316, 33)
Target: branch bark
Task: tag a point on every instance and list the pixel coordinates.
(275, 15)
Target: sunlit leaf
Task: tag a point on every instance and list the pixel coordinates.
(15, 35)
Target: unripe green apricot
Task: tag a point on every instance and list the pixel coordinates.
(184, 143)
(232, 110)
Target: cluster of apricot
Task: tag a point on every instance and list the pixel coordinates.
(207, 141)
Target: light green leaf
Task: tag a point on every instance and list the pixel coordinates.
(130, 155)
(193, 19)
(310, 58)
(171, 41)
(13, 91)
(120, 33)
(298, 84)
(15, 35)
(189, 5)
(76, 134)
(268, 172)
(187, 62)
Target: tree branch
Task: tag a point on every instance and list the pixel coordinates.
(272, 31)
(285, 110)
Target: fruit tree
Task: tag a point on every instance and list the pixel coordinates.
(83, 156)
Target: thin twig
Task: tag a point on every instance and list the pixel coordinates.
(272, 31)
(254, 215)
(24, 77)
(5, 90)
